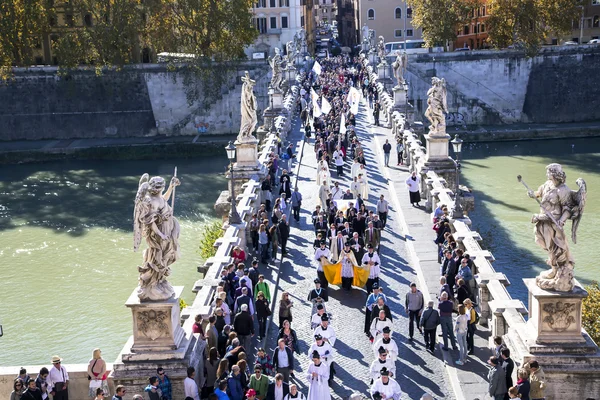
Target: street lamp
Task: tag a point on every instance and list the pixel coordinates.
(457, 142)
(234, 217)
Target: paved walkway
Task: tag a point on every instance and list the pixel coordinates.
(418, 371)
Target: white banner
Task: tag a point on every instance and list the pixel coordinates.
(343, 124)
(353, 99)
(313, 95)
(316, 110)
(325, 106)
(317, 68)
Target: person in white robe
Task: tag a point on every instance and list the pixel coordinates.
(315, 320)
(355, 187)
(388, 344)
(336, 191)
(324, 349)
(364, 186)
(326, 331)
(348, 262)
(317, 376)
(378, 324)
(324, 176)
(385, 387)
(294, 394)
(382, 361)
(355, 168)
(323, 194)
(413, 183)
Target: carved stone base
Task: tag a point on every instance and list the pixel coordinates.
(400, 96)
(383, 71)
(373, 58)
(275, 99)
(156, 326)
(555, 316)
(437, 147)
(246, 153)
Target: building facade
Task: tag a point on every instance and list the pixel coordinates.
(391, 19)
(585, 28)
(346, 18)
(325, 11)
(277, 21)
(473, 35)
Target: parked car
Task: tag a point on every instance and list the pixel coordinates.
(570, 43)
(462, 49)
(594, 41)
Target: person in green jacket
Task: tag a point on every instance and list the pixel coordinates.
(259, 382)
(262, 286)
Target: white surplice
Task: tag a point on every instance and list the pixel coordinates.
(318, 387)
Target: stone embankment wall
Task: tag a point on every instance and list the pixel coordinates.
(567, 375)
(487, 87)
(141, 100)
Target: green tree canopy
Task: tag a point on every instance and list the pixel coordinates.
(526, 24)
(439, 19)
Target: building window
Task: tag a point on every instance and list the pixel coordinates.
(596, 21)
(284, 3)
(482, 27)
(409, 12)
(272, 3)
(69, 20)
(595, 2)
(466, 30)
(483, 11)
(302, 21)
(52, 21)
(273, 24)
(284, 21)
(371, 14)
(398, 13)
(87, 20)
(261, 24)
(398, 33)
(475, 28)
(37, 42)
(409, 33)
(261, 3)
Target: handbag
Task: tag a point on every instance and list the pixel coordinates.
(95, 384)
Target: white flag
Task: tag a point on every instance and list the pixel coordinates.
(317, 68)
(325, 106)
(313, 95)
(316, 110)
(343, 124)
(353, 100)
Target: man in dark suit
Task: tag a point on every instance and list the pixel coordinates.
(285, 186)
(449, 270)
(357, 244)
(509, 365)
(278, 386)
(321, 226)
(372, 236)
(283, 360)
(284, 233)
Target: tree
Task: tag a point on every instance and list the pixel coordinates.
(591, 312)
(22, 24)
(439, 19)
(526, 24)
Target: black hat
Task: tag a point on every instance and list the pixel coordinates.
(254, 261)
(320, 306)
(347, 244)
(386, 329)
(381, 350)
(246, 271)
(376, 285)
(370, 246)
(318, 337)
(377, 396)
(323, 243)
(384, 372)
(317, 280)
(315, 354)
(324, 317)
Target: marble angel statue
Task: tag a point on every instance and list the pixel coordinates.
(275, 64)
(558, 204)
(248, 109)
(381, 49)
(437, 106)
(153, 220)
(290, 47)
(399, 65)
(372, 47)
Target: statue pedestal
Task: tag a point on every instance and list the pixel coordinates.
(156, 327)
(555, 316)
(400, 99)
(158, 339)
(246, 152)
(373, 58)
(383, 71)
(290, 74)
(437, 147)
(275, 99)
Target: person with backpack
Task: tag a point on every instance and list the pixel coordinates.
(430, 319)
(472, 324)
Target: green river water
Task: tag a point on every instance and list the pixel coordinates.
(503, 210)
(66, 251)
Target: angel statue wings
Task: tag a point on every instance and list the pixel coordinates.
(248, 109)
(558, 204)
(437, 106)
(153, 220)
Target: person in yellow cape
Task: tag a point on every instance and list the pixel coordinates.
(347, 271)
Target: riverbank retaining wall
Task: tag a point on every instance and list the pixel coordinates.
(568, 374)
(489, 87)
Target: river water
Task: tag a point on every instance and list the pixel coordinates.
(66, 251)
(503, 210)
